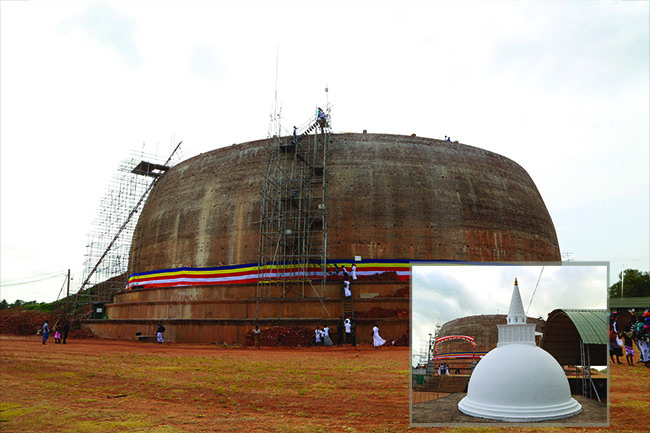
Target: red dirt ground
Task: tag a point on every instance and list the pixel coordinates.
(109, 386)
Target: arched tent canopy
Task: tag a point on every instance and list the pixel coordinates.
(566, 327)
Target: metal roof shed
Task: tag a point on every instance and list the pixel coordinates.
(566, 328)
(578, 337)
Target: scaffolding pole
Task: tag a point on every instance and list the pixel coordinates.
(292, 250)
(109, 244)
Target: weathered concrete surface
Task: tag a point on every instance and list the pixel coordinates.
(484, 330)
(389, 197)
(444, 410)
(231, 331)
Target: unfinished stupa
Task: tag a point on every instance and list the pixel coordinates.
(518, 381)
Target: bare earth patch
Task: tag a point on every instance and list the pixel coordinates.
(118, 386)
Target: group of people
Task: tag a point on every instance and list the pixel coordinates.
(622, 341)
(60, 337)
(323, 336)
(444, 370)
(346, 334)
(343, 273)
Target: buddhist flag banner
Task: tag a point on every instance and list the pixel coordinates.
(250, 273)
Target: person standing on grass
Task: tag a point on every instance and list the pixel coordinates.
(160, 330)
(629, 348)
(376, 339)
(614, 348)
(257, 333)
(66, 331)
(46, 331)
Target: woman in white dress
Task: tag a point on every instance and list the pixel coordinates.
(376, 339)
(354, 271)
(326, 336)
(346, 288)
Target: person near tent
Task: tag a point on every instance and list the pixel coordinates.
(627, 343)
(377, 341)
(614, 345)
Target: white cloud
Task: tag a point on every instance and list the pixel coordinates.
(561, 88)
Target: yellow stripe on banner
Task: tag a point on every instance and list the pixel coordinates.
(380, 265)
(263, 269)
(198, 273)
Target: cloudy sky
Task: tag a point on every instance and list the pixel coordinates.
(441, 293)
(562, 88)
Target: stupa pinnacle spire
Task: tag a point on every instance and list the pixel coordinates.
(516, 314)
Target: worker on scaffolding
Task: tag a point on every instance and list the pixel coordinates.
(321, 118)
(295, 135)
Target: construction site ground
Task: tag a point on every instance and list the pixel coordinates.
(93, 385)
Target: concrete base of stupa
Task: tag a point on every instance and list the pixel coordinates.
(444, 411)
(522, 413)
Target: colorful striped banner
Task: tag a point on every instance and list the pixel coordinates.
(461, 355)
(248, 273)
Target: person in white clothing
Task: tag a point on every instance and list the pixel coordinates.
(376, 339)
(346, 288)
(318, 336)
(326, 336)
(354, 271)
(348, 331)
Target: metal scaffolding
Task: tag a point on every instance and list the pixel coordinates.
(109, 243)
(292, 255)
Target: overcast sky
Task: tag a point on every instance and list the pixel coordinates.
(561, 88)
(441, 293)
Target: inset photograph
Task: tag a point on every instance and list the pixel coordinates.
(509, 345)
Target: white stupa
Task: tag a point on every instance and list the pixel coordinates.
(518, 381)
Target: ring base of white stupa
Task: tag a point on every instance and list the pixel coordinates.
(520, 414)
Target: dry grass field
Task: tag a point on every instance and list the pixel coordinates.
(121, 386)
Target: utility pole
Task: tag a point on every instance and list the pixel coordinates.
(67, 294)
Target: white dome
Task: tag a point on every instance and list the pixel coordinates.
(519, 382)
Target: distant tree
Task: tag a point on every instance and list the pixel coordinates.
(20, 303)
(635, 284)
(4, 304)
